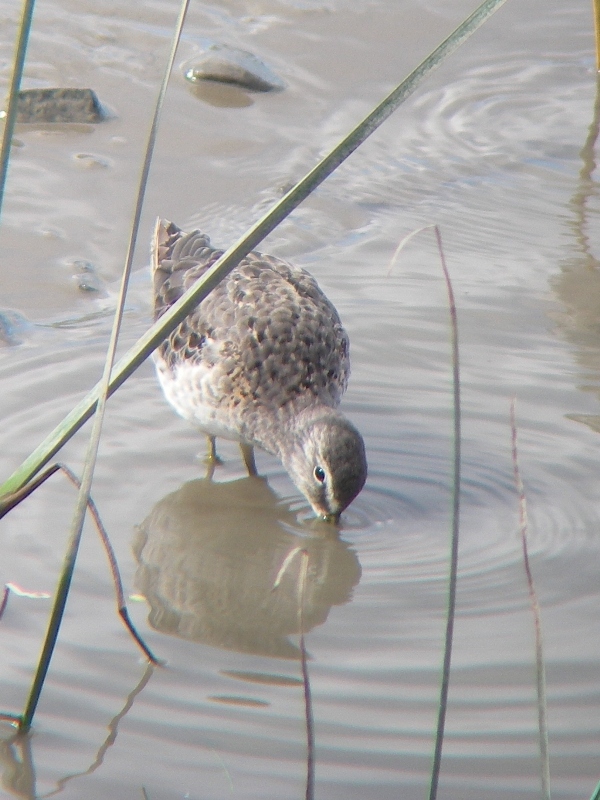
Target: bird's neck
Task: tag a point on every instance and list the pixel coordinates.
(281, 434)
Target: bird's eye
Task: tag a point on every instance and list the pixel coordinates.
(320, 474)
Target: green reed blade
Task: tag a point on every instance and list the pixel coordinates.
(13, 95)
(454, 531)
(455, 526)
(83, 497)
(596, 795)
(453, 567)
(177, 313)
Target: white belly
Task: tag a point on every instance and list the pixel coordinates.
(189, 391)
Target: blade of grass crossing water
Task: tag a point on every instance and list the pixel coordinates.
(456, 463)
(13, 94)
(537, 623)
(453, 567)
(92, 452)
(114, 568)
(177, 313)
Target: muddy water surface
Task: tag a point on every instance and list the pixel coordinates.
(495, 148)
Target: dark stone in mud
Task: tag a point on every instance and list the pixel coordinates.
(223, 64)
(13, 326)
(86, 278)
(59, 105)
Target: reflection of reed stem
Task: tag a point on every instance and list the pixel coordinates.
(112, 734)
(310, 731)
(535, 608)
(587, 186)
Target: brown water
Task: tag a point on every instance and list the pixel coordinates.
(490, 148)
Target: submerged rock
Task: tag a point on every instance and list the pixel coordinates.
(223, 64)
(13, 326)
(85, 277)
(59, 105)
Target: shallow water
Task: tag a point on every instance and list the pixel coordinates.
(492, 149)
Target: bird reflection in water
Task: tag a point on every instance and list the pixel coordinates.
(209, 555)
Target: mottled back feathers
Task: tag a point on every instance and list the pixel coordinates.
(267, 333)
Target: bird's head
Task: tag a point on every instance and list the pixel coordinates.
(327, 462)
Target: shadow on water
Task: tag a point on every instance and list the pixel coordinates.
(208, 557)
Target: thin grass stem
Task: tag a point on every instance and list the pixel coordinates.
(13, 93)
(10, 501)
(453, 567)
(4, 601)
(94, 442)
(179, 310)
(402, 244)
(455, 524)
(114, 570)
(535, 609)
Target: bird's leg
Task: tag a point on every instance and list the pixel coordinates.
(211, 455)
(248, 456)
(212, 459)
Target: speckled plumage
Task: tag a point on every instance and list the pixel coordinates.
(263, 360)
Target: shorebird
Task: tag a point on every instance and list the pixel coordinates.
(263, 360)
